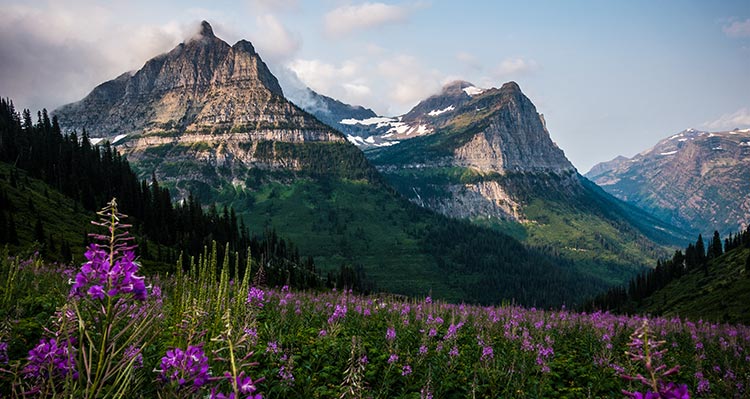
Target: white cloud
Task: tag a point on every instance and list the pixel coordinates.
(738, 119)
(59, 61)
(273, 40)
(321, 76)
(469, 60)
(347, 19)
(737, 29)
(515, 66)
(408, 80)
(275, 5)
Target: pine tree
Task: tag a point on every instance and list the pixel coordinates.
(715, 250)
(39, 235)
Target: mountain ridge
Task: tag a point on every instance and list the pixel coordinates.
(689, 179)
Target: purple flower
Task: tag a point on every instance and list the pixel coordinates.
(453, 352)
(272, 347)
(323, 333)
(338, 314)
(423, 350)
(3, 353)
(406, 370)
(487, 353)
(393, 358)
(134, 353)
(188, 367)
(390, 334)
(256, 297)
(98, 279)
(50, 359)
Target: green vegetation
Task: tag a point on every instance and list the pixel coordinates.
(177, 331)
(711, 284)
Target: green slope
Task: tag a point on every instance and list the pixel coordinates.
(723, 295)
(29, 200)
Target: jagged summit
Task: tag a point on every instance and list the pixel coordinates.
(206, 29)
(201, 84)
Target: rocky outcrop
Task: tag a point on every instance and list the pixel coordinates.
(484, 200)
(697, 180)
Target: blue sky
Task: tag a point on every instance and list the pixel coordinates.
(611, 77)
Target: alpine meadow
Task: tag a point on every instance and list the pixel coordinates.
(374, 200)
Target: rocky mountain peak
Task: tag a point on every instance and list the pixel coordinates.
(201, 82)
(456, 87)
(206, 29)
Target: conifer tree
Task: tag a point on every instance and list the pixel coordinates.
(716, 249)
(39, 235)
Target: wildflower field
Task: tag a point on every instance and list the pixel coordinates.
(101, 329)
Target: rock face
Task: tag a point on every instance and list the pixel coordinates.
(202, 84)
(492, 133)
(694, 179)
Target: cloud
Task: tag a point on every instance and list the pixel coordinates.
(515, 66)
(737, 29)
(346, 19)
(738, 119)
(45, 65)
(274, 40)
(469, 60)
(275, 5)
(408, 80)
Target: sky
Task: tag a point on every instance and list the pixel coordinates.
(611, 77)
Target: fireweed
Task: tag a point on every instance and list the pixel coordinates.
(644, 349)
(103, 328)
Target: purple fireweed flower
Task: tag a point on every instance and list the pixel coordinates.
(406, 370)
(51, 358)
(453, 352)
(286, 375)
(423, 350)
(487, 353)
(393, 358)
(98, 279)
(134, 353)
(390, 334)
(338, 314)
(256, 297)
(187, 368)
(272, 347)
(3, 353)
(323, 333)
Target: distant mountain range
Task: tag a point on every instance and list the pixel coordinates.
(694, 179)
(210, 119)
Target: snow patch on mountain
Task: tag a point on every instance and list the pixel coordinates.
(441, 111)
(473, 90)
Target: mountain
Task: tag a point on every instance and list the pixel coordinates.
(490, 159)
(368, 131)
(694, 179)
(209, 119)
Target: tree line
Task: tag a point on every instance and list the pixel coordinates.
(695, 258)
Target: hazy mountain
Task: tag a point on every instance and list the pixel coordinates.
(694, 179)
